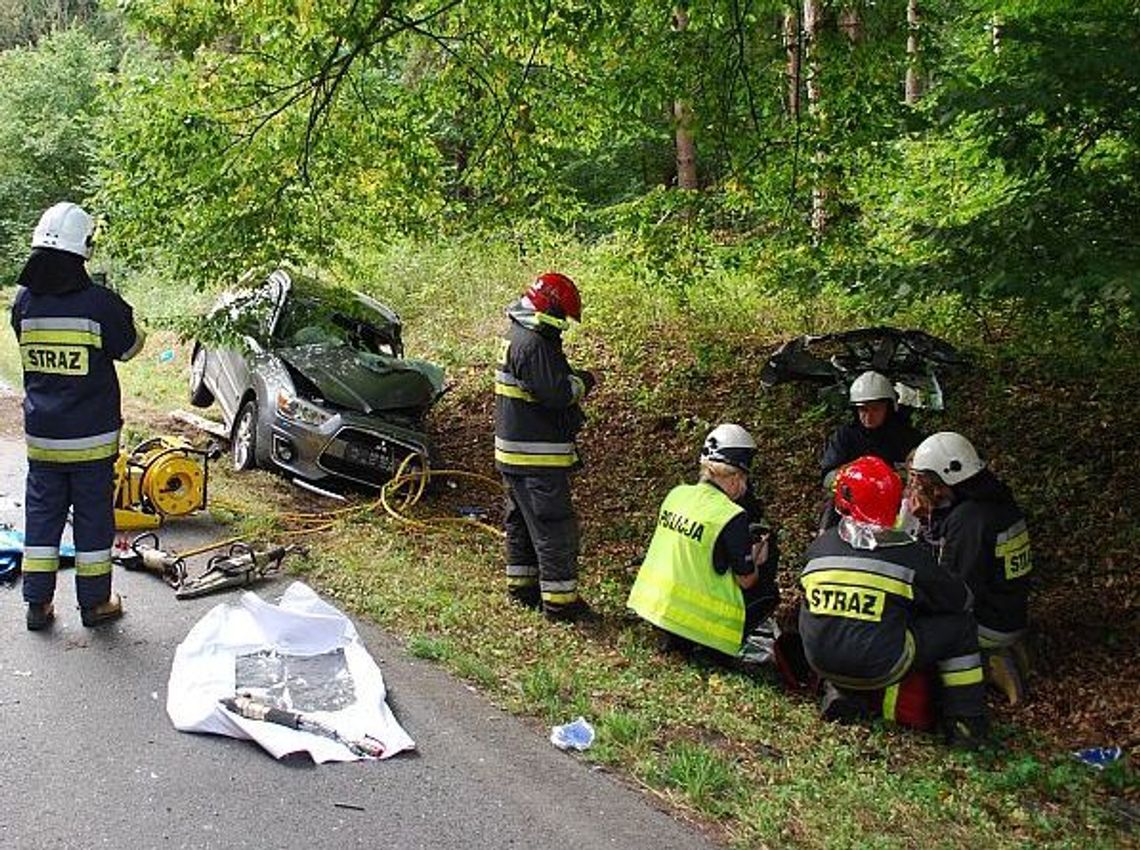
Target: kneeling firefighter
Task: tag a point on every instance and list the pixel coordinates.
(876, 605)
(709, 576)
(70, 332)
(978, 532)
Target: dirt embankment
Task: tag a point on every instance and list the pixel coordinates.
(1067, 453)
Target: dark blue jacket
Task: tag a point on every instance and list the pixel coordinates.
(70, 332)
(892, 441)
(982, 537)
(537, 415)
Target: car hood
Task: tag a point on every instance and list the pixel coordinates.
(363, 381)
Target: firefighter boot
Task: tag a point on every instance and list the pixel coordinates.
(966, 733)
(1002, 672)
(577, 611)
(104, 612)
(840, 706)
(526, 596)
(1020, 651)
(40, 615)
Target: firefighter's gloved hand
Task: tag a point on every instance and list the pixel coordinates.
(588, 380)
(760, 551)
(583, 381)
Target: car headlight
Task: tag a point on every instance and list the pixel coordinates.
(297, 409)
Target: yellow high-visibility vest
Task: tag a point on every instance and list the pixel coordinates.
(677, 587)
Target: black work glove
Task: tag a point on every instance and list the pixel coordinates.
(765, 547)
(587, 378)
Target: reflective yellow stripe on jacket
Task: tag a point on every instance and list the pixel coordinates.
(61, 330)
(96, 447)
(528, 453)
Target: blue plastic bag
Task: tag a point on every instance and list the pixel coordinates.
(1098, 757)
(578, 735)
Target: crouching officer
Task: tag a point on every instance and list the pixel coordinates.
(537, 417)
(878, 429)
(876, 605)
(70, 332)
(978, 532)
(707, 578)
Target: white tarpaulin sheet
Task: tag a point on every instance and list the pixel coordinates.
(299, 655)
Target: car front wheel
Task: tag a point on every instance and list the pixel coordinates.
(200, 395)
(244, 451)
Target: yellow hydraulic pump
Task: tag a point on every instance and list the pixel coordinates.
(160, 477)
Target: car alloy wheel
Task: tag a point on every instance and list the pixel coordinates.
(244, 449)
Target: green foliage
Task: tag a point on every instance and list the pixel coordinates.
(48, 107)
(701, 773)
(1025, 183)
(25, 22)
(237, 135)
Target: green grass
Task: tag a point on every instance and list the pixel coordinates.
(758, 766)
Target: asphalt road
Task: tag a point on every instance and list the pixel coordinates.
(90, 759)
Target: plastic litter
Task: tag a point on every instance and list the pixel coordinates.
(576, 735)
(1098, 757)
(166, 356)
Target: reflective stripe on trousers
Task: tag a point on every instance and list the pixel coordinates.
(76, 450)
(949, 642)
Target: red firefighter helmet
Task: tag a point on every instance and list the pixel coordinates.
(868, 490)
(556, 294)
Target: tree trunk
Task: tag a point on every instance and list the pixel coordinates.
(914, 87)
(792, 49)
(683, 120)
(850, 24)
(812, 11)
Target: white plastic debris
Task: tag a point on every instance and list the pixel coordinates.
(577, 735)
(279, 654)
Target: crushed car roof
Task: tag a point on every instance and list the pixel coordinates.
(910, 358)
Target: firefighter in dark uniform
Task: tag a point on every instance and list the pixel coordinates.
(878, 429)
(978, 532)
(709, 576)
(70, 332)
(876, 605)
(537, 417)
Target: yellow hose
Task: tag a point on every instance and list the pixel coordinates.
(418, 483)
(400, 493)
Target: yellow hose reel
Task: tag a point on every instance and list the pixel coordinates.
(160, 477)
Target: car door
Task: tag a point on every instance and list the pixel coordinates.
(254, 315)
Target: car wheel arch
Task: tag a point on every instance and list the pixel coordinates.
(201, 393)
(261, 435)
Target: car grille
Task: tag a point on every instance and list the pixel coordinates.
(363, 455)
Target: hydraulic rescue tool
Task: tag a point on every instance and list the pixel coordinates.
(240, 567)
(160, 477)
(244, 705)
(145, 555)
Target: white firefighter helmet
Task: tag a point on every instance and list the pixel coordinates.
(66, 227)
(872, 386)
(949, 456)
(731, 444)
